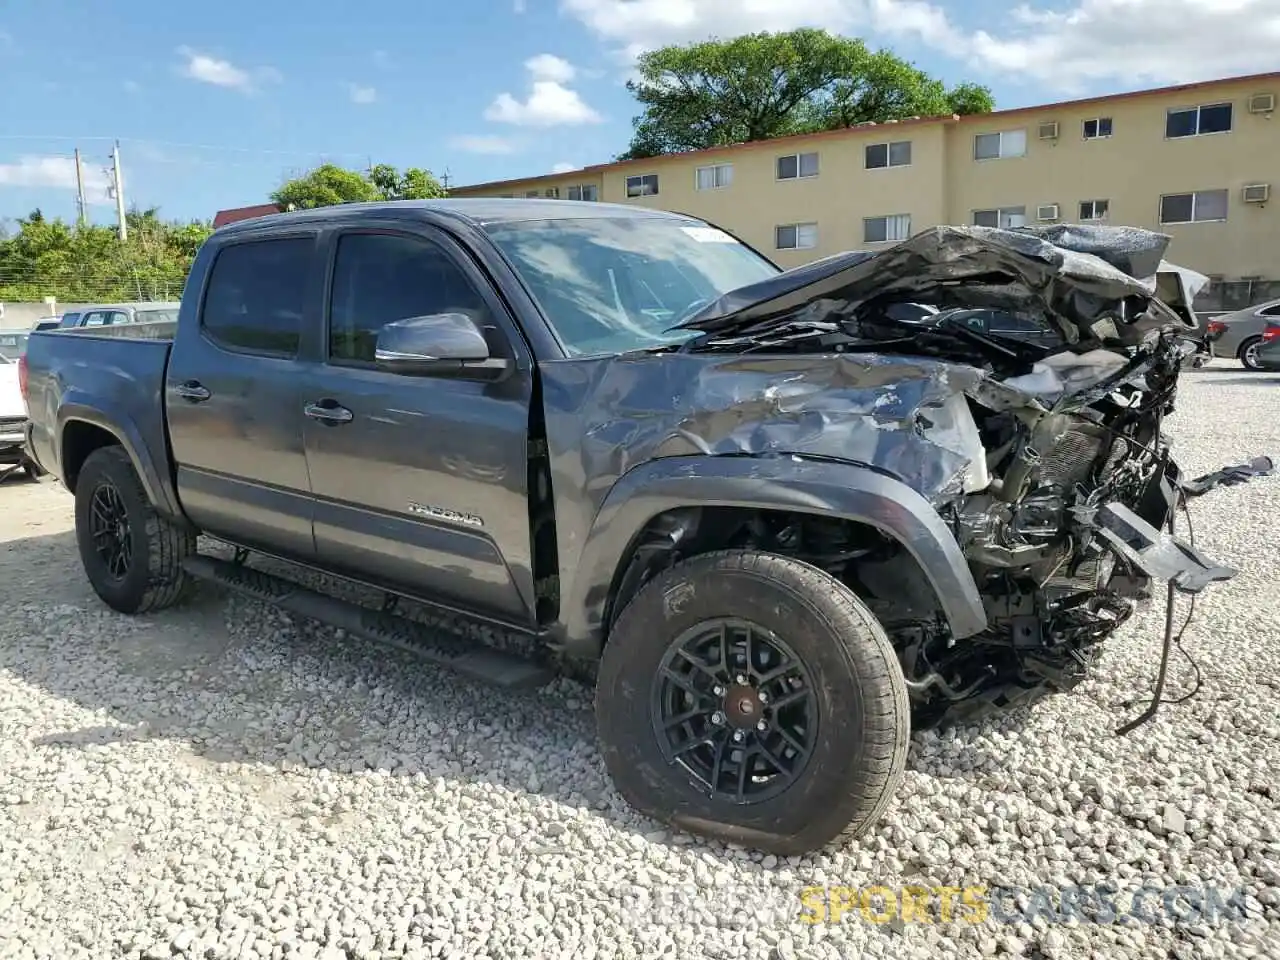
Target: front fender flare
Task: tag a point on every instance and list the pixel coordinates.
(851, 491)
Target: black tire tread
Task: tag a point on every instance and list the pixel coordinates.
(867, 652)
(167, 545)
(1244, 345)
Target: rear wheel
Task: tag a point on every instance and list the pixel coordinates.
(1249, 353)
(132, 556)
(753, 698)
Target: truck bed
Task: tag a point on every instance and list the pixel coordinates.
(112, 376)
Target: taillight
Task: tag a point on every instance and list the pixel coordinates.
(1271, 333)
(22, 376)
(1215, 326)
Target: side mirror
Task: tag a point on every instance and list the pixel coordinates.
(433, 345)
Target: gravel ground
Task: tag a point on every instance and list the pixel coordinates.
(220, 780)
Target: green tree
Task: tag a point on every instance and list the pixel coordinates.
(45, 257)
(329, 184)
(766, 85)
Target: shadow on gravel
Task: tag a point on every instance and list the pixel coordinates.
(243, 684)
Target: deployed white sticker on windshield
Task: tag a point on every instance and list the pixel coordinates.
(708, 235)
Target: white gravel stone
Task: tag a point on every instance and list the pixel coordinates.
(226, 781)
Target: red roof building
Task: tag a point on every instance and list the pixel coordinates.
(223, 217)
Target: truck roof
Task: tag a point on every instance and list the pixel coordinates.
(478, 210)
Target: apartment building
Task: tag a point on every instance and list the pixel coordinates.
(1199, 162)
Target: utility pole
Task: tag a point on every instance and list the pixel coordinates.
(119, 192)
(81, 211)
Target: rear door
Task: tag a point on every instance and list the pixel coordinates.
(233, 395)
(420, 482)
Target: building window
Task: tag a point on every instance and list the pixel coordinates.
(897, 154)
(508, 196)
(531, 194)
(713, 177)
(1097, 129)
(886, 229)
(1000, 146)
(797, 166)
(796, 236)
(1093, 209)
(588, 191)
(1198, 121)
(643, 186)
(1005, 217)
(553, 193)
(1198, 207)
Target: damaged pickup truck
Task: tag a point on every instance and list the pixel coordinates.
(787, 524)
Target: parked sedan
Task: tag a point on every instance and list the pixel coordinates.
(1239, 334)
(111, 314)
(1268, 354)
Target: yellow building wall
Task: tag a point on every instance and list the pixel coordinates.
(1131, 169)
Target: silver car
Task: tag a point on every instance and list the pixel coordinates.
(1239, 334)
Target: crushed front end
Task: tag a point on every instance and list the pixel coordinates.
(1065, 491)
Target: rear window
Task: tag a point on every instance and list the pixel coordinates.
(155, 316)
(255, 296)
(70, 319)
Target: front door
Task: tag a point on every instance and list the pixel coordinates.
(420, 482)
(233, 397)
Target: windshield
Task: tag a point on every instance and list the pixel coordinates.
(614, 285)
(12, 346)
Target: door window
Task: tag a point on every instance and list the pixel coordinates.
(379, 278)
(256, 295)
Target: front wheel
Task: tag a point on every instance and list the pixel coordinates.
(132, 556)
(1249, 353)
(753, 698)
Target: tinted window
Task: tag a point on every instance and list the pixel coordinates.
(95, 318)
(1271, 311)
(69, 320)
(379, 278)
(256, 295)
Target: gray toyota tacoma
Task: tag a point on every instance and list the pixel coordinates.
(784, 521)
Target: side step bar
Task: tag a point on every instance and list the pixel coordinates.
(466, 657)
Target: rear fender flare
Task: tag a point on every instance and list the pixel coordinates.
(834, 489)
(118, 423)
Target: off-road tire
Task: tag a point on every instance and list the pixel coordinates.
(864, 715)
(155, 578)
(1243, 354)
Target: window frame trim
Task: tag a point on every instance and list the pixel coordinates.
(626, 186)
(797, 225)
(1026, 146)
(712, 166)
(1192, 194)
(1197, 108)
(1094, 201)
(998, 211)
(799, 176)
(1098, 120)
(314, 236)
(888, 155)
(886, 217)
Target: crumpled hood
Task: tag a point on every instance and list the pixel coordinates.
(1075, 275)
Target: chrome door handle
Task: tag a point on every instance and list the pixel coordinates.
(328, 412)
(193, 391)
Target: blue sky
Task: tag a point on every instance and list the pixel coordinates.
(215, 104)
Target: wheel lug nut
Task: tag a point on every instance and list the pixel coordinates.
(762, 726)
(737, 736)
(740, 680)
(717, 718)
(718, 690)
(762, 696)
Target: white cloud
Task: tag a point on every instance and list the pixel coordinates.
(483, 143)
(56, 172)
(565, 168)
(361, 94)
(550, 102)
(223, 73)
(1136, 41)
